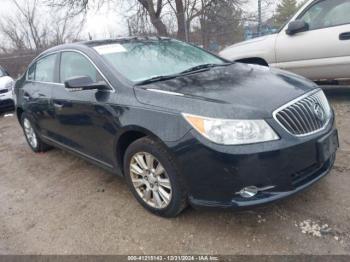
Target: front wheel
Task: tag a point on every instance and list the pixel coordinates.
(32, 137)
(154, 179)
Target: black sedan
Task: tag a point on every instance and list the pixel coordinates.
(183, 126)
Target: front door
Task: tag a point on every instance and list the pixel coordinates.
(75, 112)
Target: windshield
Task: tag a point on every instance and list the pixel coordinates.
(2, 72)
(142, 60)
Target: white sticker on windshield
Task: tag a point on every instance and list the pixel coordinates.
(110, 49)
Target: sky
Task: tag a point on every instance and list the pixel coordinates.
(103, 23)
(99, 23)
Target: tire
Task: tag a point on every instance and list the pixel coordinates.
(33, 140)
(159, 183)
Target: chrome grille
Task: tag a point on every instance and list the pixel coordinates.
(305, 115)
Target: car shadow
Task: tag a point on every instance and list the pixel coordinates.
(337, 93)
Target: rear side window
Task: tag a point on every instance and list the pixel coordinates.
(74, 65)
(45, 69)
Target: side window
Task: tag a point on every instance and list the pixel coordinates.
(74, 64)
(31, 73)
(327, 13)
(339, 15)
(45, 69)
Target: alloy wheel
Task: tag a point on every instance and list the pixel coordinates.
(150, 180)
(30, 133)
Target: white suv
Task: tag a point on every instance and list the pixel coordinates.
(6, 88)
(315, 43)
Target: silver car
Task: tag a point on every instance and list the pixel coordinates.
(315, 43)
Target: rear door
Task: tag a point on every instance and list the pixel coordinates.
(322, 52)
(36, 93)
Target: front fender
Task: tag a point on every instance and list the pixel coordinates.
(263, 48)
(168, 126)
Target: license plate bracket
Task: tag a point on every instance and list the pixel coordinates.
(327, 146)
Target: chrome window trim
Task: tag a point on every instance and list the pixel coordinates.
(43, 82)
(292, 103)
(112, 89)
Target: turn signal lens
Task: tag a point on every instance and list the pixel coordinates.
(196, 122)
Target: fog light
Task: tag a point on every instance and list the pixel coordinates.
(248, 192)
(252, 191)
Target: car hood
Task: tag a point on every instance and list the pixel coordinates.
(261, 47)
(235, 91)
(254, 40)
(4, 81)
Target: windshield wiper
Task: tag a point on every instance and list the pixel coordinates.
(202, 67)
(156, 79)
(190, 70)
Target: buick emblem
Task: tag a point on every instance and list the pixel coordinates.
(319, 112)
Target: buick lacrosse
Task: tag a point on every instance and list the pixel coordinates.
(182, 125)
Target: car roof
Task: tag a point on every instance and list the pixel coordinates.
(80, 46)
(92, 43)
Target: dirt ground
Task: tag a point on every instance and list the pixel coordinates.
(55, 203)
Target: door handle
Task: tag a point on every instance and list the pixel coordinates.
(344, 36)
(26, 97)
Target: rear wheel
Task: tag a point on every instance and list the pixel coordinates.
(32, 137)
(153, 178)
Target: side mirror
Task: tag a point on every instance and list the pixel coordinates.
(81, 83)
(297, 26)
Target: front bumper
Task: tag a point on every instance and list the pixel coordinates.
(309, 177)
(215, 175)
(6, 101)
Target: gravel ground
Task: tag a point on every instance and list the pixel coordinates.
(55, 203)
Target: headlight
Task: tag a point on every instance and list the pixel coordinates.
(232, 132)
(10, 85)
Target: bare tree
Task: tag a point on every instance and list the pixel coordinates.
(267, 7)
(27, 13)
(138, 22)
(66, 29)
(14, 36)
(28, 28)
(154, 11)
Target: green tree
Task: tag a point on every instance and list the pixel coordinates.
(284, 11)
